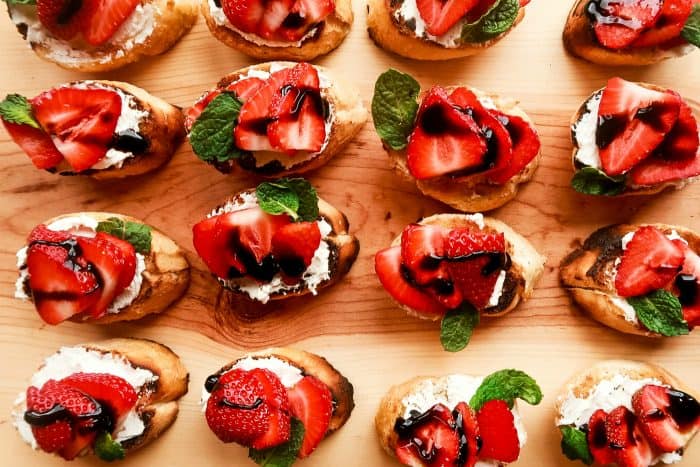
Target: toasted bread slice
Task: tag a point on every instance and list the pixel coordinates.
(158, 400)
(588, 274)
(168, 19)
(329, 34)
(527, 265)
(472, 193)
(388, 34)
(579, 40)
(164, 280)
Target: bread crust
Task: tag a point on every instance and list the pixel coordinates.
(165, 279)
(332, 32)
(579, 39)
(587, 273)
(389, 36)
(472, 193)
(526, 268)
(172, 20)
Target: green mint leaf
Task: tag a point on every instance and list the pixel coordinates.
(574, 445)
(660, 311)
(17, 109)
(135, 233)
(507, 385)
(283, 455)
(691, 30)
(292, 196)
(107, 449)
(457, 327)
(211, 136)
(495, 22)
(591, 181)
(394, 107)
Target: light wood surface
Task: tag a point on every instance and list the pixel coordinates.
(354, 324)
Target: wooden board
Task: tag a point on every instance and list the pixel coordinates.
(355, 325)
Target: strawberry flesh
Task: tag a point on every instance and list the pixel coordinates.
(687, 286)
(618, 23)
(36, 144)
(598, 440)
(470, 440)
(627, 442)
(526, 145)
(63, 18)
(499, 436)
(440, 16)
(294, 246)
(428, 439)
(311, 402)
(668, 25)
(115, 392)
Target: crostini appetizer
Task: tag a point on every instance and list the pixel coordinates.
(456, 268)
(105, 129)
(107, 399)
(93, 36)
(638, 279)
(437, 30)
(461, 146)
(280, 403)
(634, 139)
(274, 119)
(456, 420)
(279, 29)
(626, 414)
(99, 267)
(632, 32)
(276, 241)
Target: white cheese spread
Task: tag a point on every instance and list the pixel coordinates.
(585, 130)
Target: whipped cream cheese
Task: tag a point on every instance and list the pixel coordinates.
(585, 133)
(82, 225)
(70, 360)
(408, 13)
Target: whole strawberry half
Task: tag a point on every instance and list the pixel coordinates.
(428, 440)
(294, 246)
(626, 439)
(311, 402)
(498, 433)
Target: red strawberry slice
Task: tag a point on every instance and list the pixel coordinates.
(37, 144)
(258, 108)
(626, 439)
(63, 18)
(433, 441)
(620, 22)
(634, 122)
(245, 88)
(668, 25)
(526, 145)
(687, 286)
(55, 436)
(476, 260)
(276, 12)
(444, 139)
(244, 14)
(440, 16)
(304, 15)
(387, 264)
(649, 263)
(108, 389)
(598, 439)
(193, 113)
(294, 246)
(470, 430)
(105, 18)
(81, 122)
(303, 131)
(498, 434)
(682, 141)
(311, 402)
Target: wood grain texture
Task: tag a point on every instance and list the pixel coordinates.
(354, 324)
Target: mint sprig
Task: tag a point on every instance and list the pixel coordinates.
(283, 455)
(295, 197)
(591, 181)
(394, 107)
(139, 235)
(17, 109)
(457, 327)
(497, 20)
(661, 312)
(211, 136)
(108, 449)
(574, 444)
(691, 30)
(507, 385)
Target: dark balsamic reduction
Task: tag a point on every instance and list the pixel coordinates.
(233, 405)
(683, 408)
(652, 116)
(130, 141)
(600, 437)
(434, 121)
(68, 11)
(293, 21)
(101, 419)
(211, 382)
(599, 11)
(688, 288)
(609, 128)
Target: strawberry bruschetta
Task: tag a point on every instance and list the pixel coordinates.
(632, 32)
(439, 30)
(105, 129)
(280, 403)
(627, 414)
(100, 268)
(638, 279)
(456, 420)
(279, 29)
(93, 35)
(461, 146)
(274, 119)
(634, 139)
(457, 267)
(107, 398)
(276, 241)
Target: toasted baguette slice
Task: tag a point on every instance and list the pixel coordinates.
(588, 274)
(349, 116)
(158, 400)
(388, 34)
(343, 246)
(165, 278)
(329, 34)
(579, 40)
(170, 20)
(472, 193)
(527, 265)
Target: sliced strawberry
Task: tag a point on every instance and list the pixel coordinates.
(526, 145)
(304, 15)
(683, 140)
(649, 263)
(294, 246)
(482, 7)
(54, 436)
(275, 395)
(244, 14)
(302, 131)
(37, 144)
(63, 18)
(105, 18)
(440, 16)
(598, 440)
(258, 108)
(115, 392)
(687, 286)
(444, 140)
(245, 88)
(276, 12)
(471, 439)
(193, 113)
(81, 122)
(668, 25)
(498, 434)
(430, 439)
(626, 439)
(311, 402)
(387, 264)
(618, 23)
